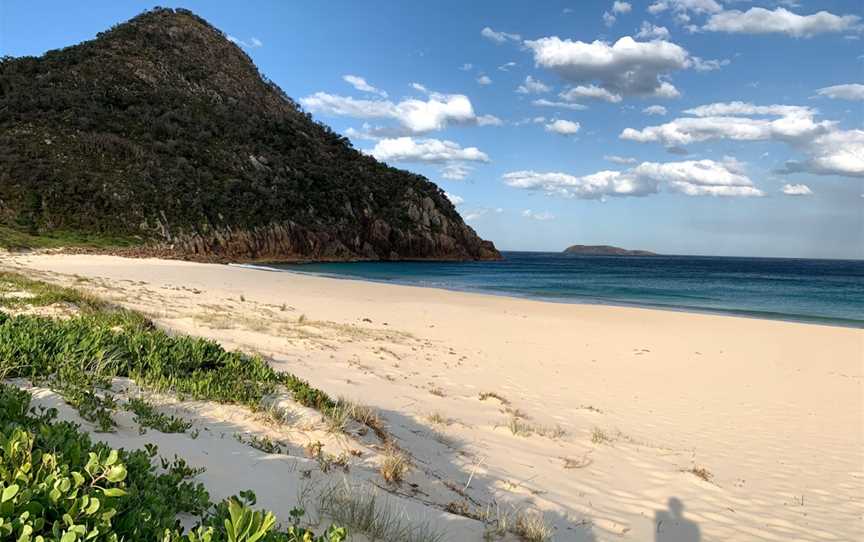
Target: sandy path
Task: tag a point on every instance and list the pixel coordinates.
(773, 411)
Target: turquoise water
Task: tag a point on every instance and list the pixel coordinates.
(817, 291)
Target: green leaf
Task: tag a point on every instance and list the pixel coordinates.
(9, 493)
(113, 492)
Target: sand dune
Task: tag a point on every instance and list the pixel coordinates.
(615, 423)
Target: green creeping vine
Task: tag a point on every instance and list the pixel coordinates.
(58, 486)
(92, 349)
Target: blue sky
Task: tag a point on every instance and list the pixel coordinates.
(756, 147)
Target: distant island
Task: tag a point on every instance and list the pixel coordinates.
(605, 250)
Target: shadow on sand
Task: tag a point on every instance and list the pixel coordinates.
(672, 526)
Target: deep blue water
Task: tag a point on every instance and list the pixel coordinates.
(818, 291)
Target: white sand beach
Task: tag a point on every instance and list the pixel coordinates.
(597, 417)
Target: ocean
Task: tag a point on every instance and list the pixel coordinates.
(805, 290)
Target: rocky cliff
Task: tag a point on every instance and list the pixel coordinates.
(163, 131)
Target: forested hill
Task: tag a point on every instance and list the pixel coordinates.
(163, 131)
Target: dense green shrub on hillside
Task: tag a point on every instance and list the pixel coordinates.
(162, 128)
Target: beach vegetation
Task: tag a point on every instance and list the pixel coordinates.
(147, 416)
(363, 510)
(83, 490)
(394, 465)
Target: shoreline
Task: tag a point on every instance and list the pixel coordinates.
(731, 313)
(595, 416)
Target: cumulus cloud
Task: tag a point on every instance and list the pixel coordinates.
(779, 21)
(454, 199)
(618, 8)
(484, 80)
(532, 86)
(840, 152)
(796, 190)
(499, 37)
(360, 84)
(736, 121)
(828, 150)
(489, 120)
(852, 91)
(684, 6)
(409, 149)
(702, 65)
(623, 160)
(253, 43)
(541, 216)
(590, 92)
(652, 32)
(456, 172)
(692, 178)
(415, 116)
(655, 110)
(563, 127)
(624, 68)
(563, 105)
(467, 67)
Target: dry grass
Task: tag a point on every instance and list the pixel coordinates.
(702, 473)
(437, 418)
(364, 511)
(532, 527)
(599, 436)
(518, 426)
(492, 395)
(394, 465)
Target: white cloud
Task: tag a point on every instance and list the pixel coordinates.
(702, 65)
(253, 43)
(684, 6)
(419, 88)
(623, 160)
(652, 32)
(532, 86)
(506, 67)
(591, 92)
(563, 105)
(796, 190)
(541, 216)
(828, 150)
(719, 121)
(852, 91)
(484, 80)
(455, 172)
(655, 110)
(454, 199)
(408, 149)
(625, 68)
(779, 21)
(415, 116)
(499, 37)
(360, 84)
(618, 8)
(467, 67)
(489, 120)
(621, 7)
(692, 178)
(840, 152)
(563, 127)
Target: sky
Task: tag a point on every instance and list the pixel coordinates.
(723, 127)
